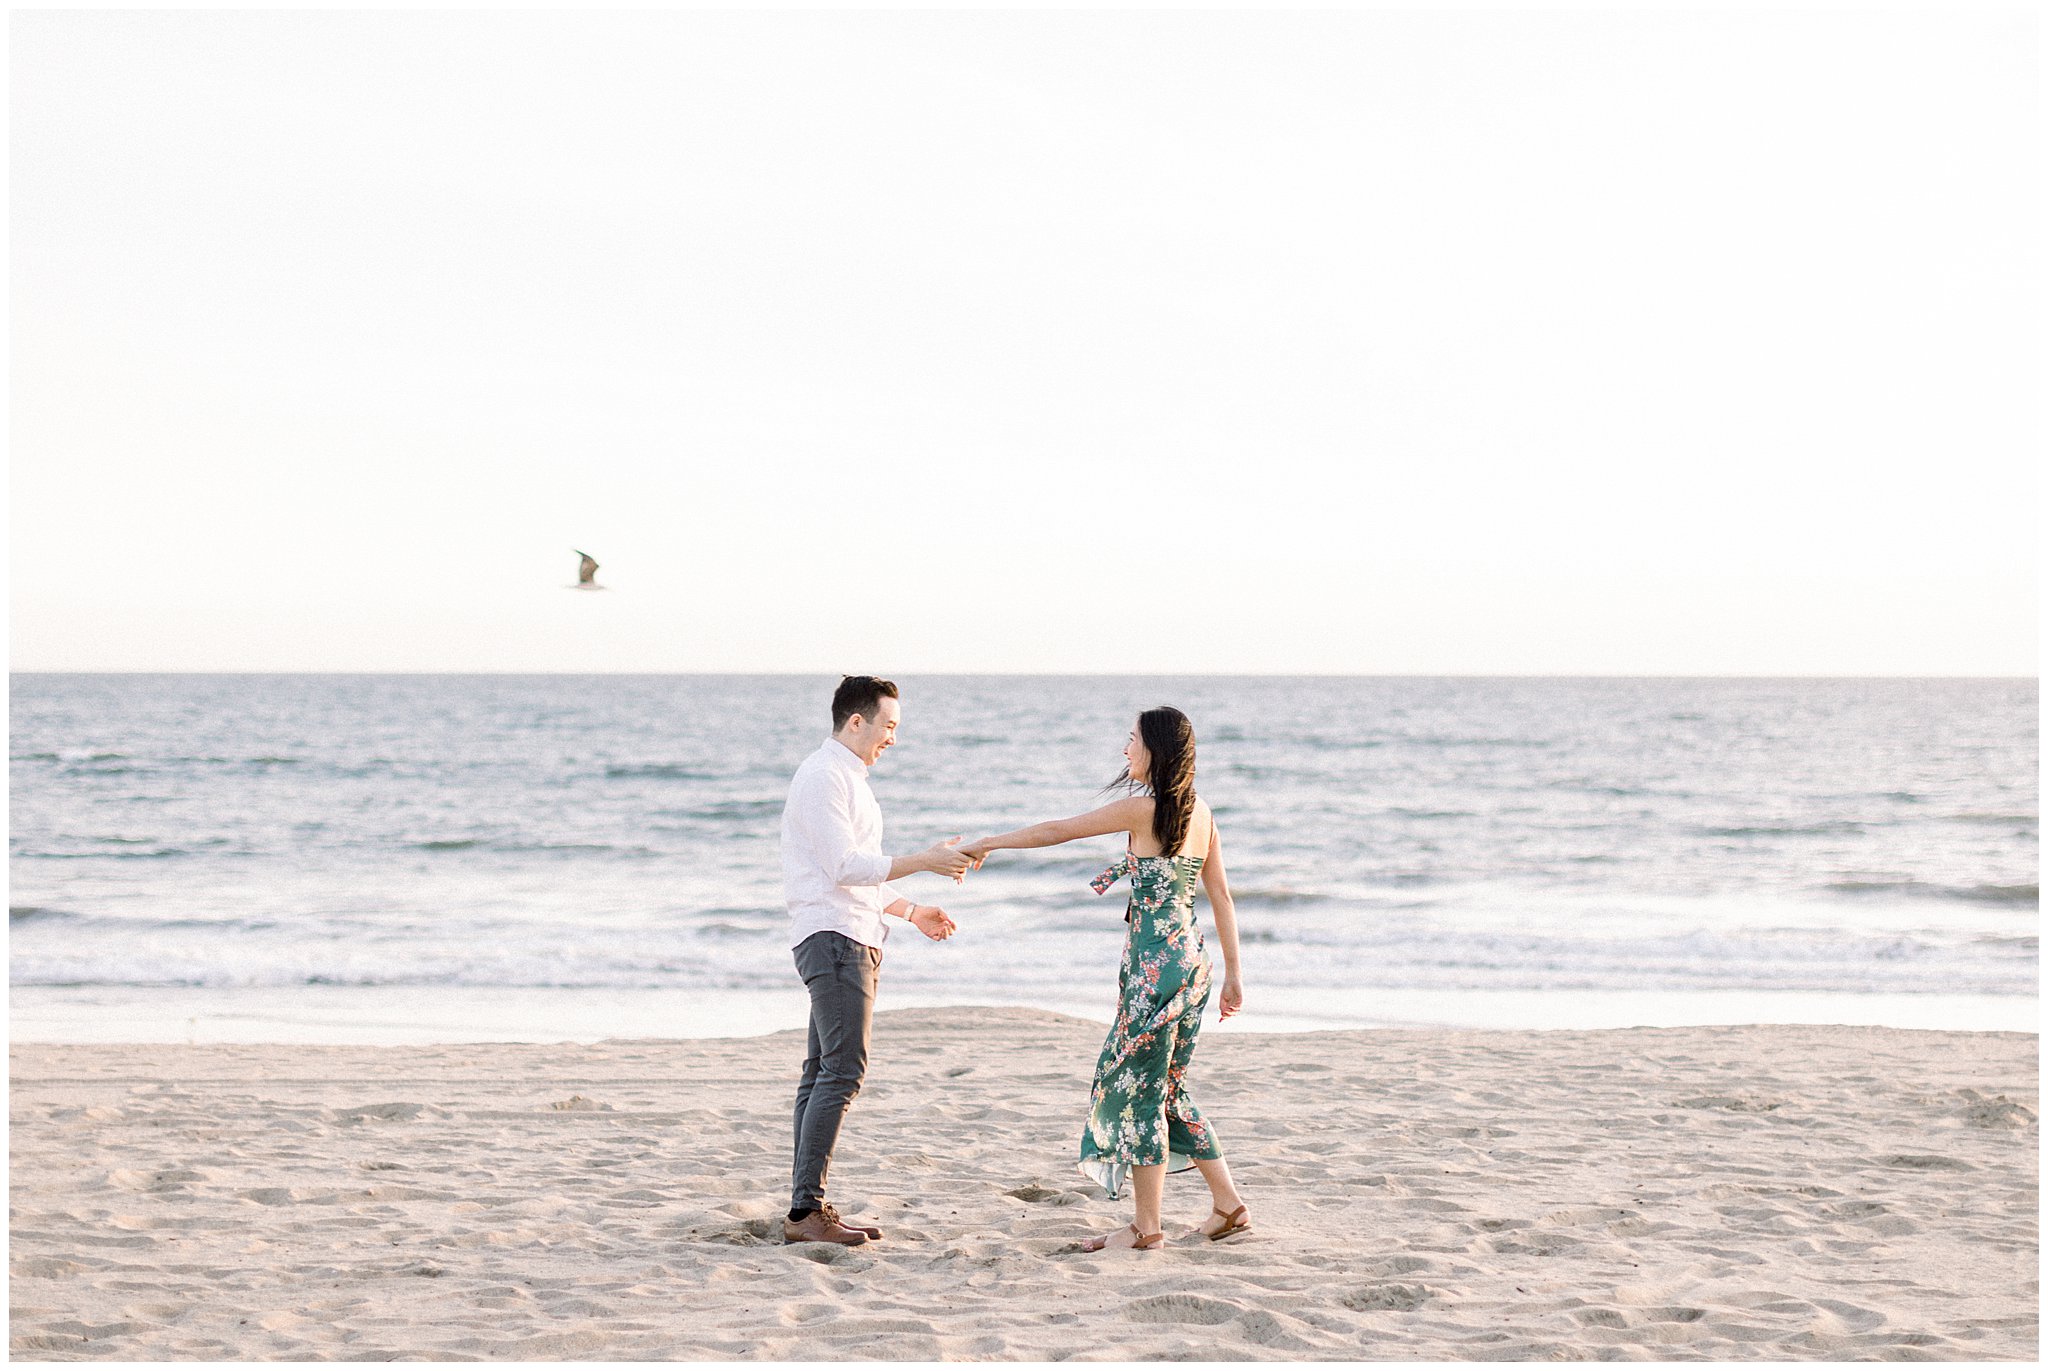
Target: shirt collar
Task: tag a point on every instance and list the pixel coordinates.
(842, 755)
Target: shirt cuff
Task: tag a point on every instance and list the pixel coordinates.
(890, 895)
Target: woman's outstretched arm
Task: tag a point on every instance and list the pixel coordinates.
(1118, 816)
(1216, 882)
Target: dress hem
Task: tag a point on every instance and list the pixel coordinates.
(1111, 1175)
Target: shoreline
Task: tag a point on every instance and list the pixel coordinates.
(1738, 1193)
(425, 1015)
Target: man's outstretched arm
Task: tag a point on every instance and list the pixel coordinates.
(829, 825)
(940, 859)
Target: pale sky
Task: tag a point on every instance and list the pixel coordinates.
(1461, 342)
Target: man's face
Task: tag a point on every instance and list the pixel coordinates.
(870, 738)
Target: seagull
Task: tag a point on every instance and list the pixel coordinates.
(585, 572)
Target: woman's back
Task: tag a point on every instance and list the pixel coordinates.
(1201, 825)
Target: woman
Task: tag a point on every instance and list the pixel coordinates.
(1141, 1122)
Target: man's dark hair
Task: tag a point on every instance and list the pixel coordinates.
(860, 695)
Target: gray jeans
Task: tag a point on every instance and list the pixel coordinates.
(840, 974)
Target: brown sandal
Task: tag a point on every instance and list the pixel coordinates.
(1145, 1241)
(1233, 1222)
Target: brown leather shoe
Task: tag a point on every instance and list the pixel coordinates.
(833, 1214)
(821, 1227)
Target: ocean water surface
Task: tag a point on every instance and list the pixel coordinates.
(406, 857)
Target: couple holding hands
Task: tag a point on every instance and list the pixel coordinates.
(1141, 1123)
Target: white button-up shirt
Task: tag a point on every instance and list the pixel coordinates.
(834, 872)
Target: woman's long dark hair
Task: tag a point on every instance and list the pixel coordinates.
(1170, 738)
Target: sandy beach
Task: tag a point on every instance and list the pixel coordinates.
(1665, 1194)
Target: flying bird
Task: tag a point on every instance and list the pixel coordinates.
(586, 572)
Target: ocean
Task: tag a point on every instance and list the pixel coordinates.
(408, 858)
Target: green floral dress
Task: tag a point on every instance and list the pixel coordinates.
(1140, 1113)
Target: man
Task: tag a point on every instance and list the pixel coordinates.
(836, 878)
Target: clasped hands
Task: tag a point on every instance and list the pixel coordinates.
(945, 859)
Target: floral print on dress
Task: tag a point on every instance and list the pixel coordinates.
(1111, 874)
(1139, 1111)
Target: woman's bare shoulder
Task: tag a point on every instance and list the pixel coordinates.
(1134, 811)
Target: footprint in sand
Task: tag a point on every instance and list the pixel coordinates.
(1850, 1318)
(1581, 1216)
(1921, 1162)
(395, 1111)
(47, 1342)
(1038, 1194)
(1262, 1328)
(153, 1180)
(46, 1266)
(1995, 1112)
(1600, 1318)
(825, 1253)
(1372, 1297)
(278, 1195)
(1853, 1209)
(1182, 1309)
(1401, 1266)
